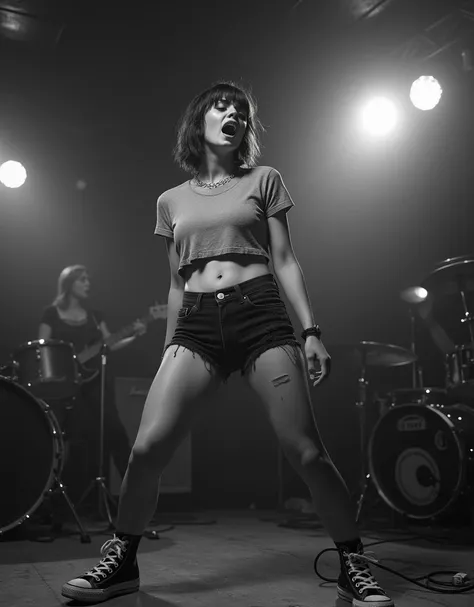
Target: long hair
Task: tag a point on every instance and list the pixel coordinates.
(66, 279)
(189, 148)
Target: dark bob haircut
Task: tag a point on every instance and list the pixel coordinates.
(189, 148)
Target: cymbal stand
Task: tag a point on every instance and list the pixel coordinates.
(104, 495)
(361, 405)
(467, 315)
(416, 370)
(58, 487)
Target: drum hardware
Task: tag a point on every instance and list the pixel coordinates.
(103, 494)
(421, 457)
(414, 296)
(29, 426)
(47, 368)
(370, 353)
(454, 276)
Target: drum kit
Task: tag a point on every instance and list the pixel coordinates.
(41, 377)
(419, 455)
(39, 372)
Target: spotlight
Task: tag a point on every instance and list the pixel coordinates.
(379, 116)
(414, 295)
(12, 174)
(425, 93)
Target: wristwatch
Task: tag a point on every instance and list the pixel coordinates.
(315, 330)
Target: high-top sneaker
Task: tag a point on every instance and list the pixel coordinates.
(356, 584)
(115, 574)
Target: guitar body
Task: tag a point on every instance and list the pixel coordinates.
(90, 371)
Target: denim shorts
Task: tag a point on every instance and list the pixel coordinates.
(230, 328)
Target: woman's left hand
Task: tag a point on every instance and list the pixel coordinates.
(139, 328)
(317, 356)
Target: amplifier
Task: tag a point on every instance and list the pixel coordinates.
(130, 396)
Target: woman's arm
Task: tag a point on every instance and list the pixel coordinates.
(120, 344)
(175, 295)
(288, 270)
(289, 274)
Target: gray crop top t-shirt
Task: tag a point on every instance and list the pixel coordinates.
(207, 222)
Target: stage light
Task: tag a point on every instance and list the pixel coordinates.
(425, 93)
(379, 116)
(414, 295)
(12, 174)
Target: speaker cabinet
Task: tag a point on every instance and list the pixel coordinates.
(130, 396)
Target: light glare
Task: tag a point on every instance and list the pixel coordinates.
(379, 116)
(425, 93)
(12, 174)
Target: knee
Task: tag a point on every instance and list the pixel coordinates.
(307, 454)
(148, 454)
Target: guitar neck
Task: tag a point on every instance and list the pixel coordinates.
(127, 331)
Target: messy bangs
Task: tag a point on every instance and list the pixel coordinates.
(229, 93)
(189, 149)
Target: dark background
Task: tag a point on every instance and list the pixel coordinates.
(93, 91)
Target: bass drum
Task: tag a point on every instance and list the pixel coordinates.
(421, 457)
(32, 453)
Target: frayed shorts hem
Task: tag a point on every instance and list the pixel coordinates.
(291, 346)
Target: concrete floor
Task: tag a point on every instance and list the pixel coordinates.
(225, 559)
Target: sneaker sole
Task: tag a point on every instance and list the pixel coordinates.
(96, 595)
(349, 597)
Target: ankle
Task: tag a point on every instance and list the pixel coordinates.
(354, 545)
(122, 535)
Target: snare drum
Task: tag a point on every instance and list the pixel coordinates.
(32, 453)
(47, 368)
(421, 457)
(460, 370)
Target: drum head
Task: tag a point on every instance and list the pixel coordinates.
(28, 453)
(416, 460)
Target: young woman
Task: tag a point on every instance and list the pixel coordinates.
(221, 228)
(70, 319)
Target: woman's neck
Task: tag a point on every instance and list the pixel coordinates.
(214, 167)
(73, 305)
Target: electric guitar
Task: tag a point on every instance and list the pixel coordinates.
(93, 351)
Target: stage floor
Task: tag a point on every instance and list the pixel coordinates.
(226, 559)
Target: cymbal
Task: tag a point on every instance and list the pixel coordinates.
(451, 276)
(377, 354)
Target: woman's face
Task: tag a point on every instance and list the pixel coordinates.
(81, 286)
(224, 115)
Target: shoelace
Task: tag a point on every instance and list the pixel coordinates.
(359, 571)
(112, 549)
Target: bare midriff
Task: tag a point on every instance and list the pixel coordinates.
(214, 273)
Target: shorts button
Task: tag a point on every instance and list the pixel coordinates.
(220, 296)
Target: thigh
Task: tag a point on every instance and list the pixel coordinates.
(279, 379)
(175, 397)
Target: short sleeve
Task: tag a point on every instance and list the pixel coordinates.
(277, 197)
(164, 225)
(49, 316)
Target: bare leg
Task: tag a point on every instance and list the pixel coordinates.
(288, 405)
(169, 410)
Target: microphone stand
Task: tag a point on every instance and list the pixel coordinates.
(104, 495)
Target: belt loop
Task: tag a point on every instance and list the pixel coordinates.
(197, 305)
(241, 295)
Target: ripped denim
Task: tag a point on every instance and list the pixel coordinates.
(229, 329)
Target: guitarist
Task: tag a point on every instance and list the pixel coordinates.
(69, 319)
